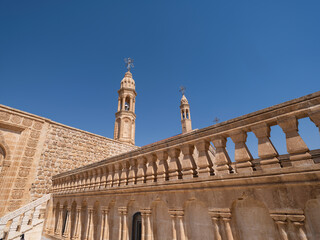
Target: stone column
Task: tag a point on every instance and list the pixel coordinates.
(222, 159)
(125, 232)
(132, 172)
(67, 228)
(131, 104)
(77, 226)
(59, 224)
(296, 147)
(242, 154)
(141, 174)
(226, 217)
(204, 162)
(173, 225)
(187, 163)
(146, 222)
(151, 172)
(89, 232)
(298, 222)
(174, 167)
(266, 151)
(105, 225)
(314, 116)
(123, 103)
(162, 171)
(216, 227)
(281, 221)
(119, 103)
(178, 229)
(180, 216)
(49, 224)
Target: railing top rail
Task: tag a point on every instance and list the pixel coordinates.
(25, 208)
(298, 107)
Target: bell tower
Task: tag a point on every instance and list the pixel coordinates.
(124, 127)
(185, 113)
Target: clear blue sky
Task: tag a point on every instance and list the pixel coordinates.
(64, 59)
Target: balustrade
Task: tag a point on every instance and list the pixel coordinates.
(186, 156)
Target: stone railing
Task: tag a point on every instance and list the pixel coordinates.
(175, 159)
(24, 219)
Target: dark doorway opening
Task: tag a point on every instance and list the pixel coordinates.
(136, 226)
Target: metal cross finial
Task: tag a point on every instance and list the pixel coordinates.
(182, 90)
(129, 63)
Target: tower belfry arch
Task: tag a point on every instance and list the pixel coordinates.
(124, 129)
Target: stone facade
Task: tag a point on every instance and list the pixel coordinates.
(33, 149)
(179, 189)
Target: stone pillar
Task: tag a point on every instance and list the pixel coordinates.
(132, 172)
(119, 103)
(162, 171)
(151, 172)
(131, 104)
(67, 228)
(105, 225)
(281, 221)
(141, 174)
(174, 167)
(146, 222)
(187, 163)
(173, 225)
(125, 232)
(222, 159)
(178, 229)
(180, 216)
(266, 151)
(123, 103)
(120, 224)
(216, 226)
(298, 222)
(226, 217)
(204, 162)
(49, 223)
(296, 147)
(89, 232)
(77, 226)
(59, 224)
(314, 116)
(242, 154)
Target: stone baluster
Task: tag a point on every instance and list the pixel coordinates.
(141, 174)
(146, 221)
(204, 162)
(89, 232)
(162, 169)
(124, 173)
(13, 227)
(67, 229)
(77, 225)
(151, 172)
(110, 176)
(28, 215)
(132, 172)
(314, 116)
(105, 225)
(117, 173)
(188, 165)
(59, 224)
(296, 147)
(98, 178)
(93, 179)
(222, 159)
(103, 178)
(87, 181)
(174, 167)
(298, 222)
(266, 151)
(281, 221)
(226, 217)
(242, 154)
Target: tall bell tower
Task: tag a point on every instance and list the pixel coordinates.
(185, 112)
(125, 127)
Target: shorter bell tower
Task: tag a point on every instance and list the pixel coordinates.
(124, 128)
(185, 113)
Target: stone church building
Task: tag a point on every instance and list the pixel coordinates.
(58, 182)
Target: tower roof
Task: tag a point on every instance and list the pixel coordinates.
(184, 100)
(127, 81)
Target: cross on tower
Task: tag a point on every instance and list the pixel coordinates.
(182, 90)
(129, 63)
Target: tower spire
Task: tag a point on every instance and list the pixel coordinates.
(185, 112)
(124, 127)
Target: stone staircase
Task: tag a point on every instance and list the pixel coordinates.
(26, 221)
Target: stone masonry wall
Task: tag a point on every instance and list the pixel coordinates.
(33, 149)
(68, 148)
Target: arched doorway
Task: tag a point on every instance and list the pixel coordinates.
(136, 226)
